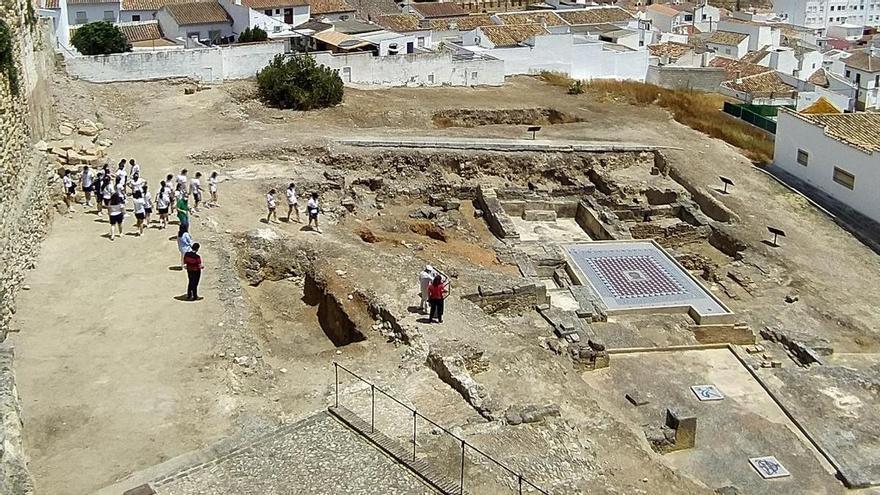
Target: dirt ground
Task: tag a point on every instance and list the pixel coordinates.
(117, 375)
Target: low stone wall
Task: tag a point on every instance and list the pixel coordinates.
(518, 299)
(497, 219)
(696, 78)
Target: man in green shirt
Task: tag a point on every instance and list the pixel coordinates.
(183, 210)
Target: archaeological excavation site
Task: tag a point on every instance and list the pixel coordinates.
(618, 319)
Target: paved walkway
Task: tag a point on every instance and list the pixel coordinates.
(315, 456)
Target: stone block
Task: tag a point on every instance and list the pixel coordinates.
(636, 399)
(685, 425)
(144, 489)
(539, 216)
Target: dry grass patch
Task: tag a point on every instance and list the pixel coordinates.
(697, 110)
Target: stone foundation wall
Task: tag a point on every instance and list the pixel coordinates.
(25, 203)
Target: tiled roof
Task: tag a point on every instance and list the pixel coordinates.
(531, 17)
(862, 60)
(141, 31)
(51, 4)
(755, 57)
(595, 16)
(401, 23)
(318, 7)
(87, 2)
(511, 35)
(151, 4)
(341, 40)
(726, 38)
(737, 68)
(431, 10)
(767, 84)
(819, 78)
(669, 49)
(662, 9)
(468, 23)
(273, 4)
(860, 130)
(822, 105)
(190, 14)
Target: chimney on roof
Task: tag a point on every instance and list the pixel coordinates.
(739, 77)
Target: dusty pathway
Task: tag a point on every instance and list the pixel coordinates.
(108, 361)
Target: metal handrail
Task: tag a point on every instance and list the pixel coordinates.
(521, 480)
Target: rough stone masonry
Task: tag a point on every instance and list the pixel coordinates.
(25, 201)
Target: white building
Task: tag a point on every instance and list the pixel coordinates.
(409, 24)
(86, 11)
(760, 35)
(825, 13)
(862, 68)
(531, 49)
(206, 21)
(331, 10)
(838, 154)
(728, 44)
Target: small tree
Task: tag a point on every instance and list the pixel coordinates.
(299, 83)
(100, 38)
(252, 35)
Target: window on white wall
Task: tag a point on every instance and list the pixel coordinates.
(81, 17)
(108, 16)
(135, 18)
(803, 157)
(844, 178)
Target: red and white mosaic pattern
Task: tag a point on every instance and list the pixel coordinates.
(628, 277)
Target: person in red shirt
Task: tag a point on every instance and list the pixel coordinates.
(193, 263)
(436, 294)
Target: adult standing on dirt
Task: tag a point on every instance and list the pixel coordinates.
(194, 267)
(163, 202)
(212, 188)
(436, 295)
(312, 208)
(425, 278)
(116, 212)
(69, 190)
(184, 242)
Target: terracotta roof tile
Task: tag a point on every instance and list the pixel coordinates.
(819, 78)
(431, 10)
(737, 68)
(151, 4)
(511, 35)
(51, 4)
(531, 17)
(599, 15)
(141, 31)
(860, 130)
(822, 105)
(662, 9)
(273, 4)
(401, 23)
(669, 49)
(318, 7)
(192, 13)
(862, 60)
(767, 84)
(726, 38)
(468, 23)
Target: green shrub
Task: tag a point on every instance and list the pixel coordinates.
(100, 38)
(252, 35)
(576, 88)
(7, 60)
(299, 83)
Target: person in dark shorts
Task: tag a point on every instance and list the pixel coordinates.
(116, 211)
(148, 205)
(139, 210)
(69, 190)
(86, 181)
(194, 267)
(312, 208)
(436, 294)
(163, 203)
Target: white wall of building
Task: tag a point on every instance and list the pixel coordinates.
(868, 84)
(131, 15)
(660, 20)
(213, 64)
(824, 154)
(822, 14)
(573, 55)
(300, 14)
(728, 51)
(415, 69)
(93, 12)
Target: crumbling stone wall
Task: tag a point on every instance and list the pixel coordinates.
(25, 201)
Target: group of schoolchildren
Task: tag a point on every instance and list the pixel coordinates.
(312, 207)
(111, 191)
